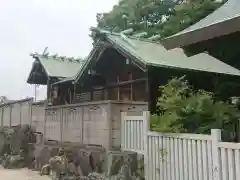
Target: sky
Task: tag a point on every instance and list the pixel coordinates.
(31, 25)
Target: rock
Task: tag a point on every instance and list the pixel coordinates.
(95, 176)
(72, 169)
(42, 156)
(79, 171)
(13, 161)
(45, 170)
(83, 162)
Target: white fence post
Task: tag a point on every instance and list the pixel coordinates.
(146, 127)
(216, 137)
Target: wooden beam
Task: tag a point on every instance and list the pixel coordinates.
(148, 90)
(126, 82)
(131, 87)
(118, 89)
(74, 92)
(48, 90)
(117, 84)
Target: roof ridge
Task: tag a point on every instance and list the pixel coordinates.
(136, 38)
(103, 31)
(57, 57)
(144, 39)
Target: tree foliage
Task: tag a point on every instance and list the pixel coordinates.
(164, 17)
(184, 110)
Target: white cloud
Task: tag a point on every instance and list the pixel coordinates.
(31, 25)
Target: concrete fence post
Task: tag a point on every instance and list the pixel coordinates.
(61, 124)
(45, 124)
(2, 116)
(30, 113)
(216, 138)
(123, 130)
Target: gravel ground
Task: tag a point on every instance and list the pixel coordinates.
(20, 174)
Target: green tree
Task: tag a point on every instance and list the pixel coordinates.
(184, 110)
(164, 17)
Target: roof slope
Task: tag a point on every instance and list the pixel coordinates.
(155, 54)
(60, 67)
(53, 66)
(228, 11)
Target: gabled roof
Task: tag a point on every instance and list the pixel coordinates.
(149, 53)
(223, 21)
(155, 54)
(54, 66)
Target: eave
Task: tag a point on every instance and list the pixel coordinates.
(203, 34)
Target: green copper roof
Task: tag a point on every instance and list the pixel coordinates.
(230, 10)
(53, 66)
(150, 53)
(209, 27)
(154, 54)
(56, 67)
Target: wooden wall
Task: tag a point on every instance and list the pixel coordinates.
(113, 77)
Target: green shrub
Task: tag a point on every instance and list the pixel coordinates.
(182, 109)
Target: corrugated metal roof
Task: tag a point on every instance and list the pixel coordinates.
(228, 11)
(155, 54)
(57, 67)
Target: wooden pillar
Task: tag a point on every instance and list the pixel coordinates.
(131, 87)
(61, 124)
(91, 95)
(20, 114)
(118, 89)
(10, 116)
(148, 90)
(48, 90)
(74, 92)
(70, 95)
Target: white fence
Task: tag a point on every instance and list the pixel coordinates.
(170, 156)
